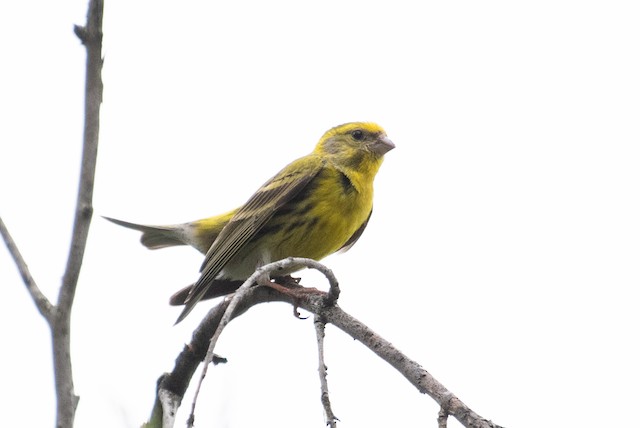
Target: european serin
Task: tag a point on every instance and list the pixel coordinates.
(315, 206)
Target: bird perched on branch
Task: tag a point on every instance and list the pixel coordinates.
(313, 207)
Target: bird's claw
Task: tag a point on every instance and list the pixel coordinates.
(291, 287)
(296, 312)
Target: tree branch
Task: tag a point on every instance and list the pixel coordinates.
(59, 316)
(177, 381)
(236, 299)
(42, 303)
(91, 37)
(411, 370)
(329, 416)
(442, 418)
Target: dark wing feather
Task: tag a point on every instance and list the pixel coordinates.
(219, 287)
(248, 221)
(356, 235)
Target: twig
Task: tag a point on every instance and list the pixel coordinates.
(91, 37)
(317, 304)
(172, 386)
(42, 303)
(59, 316)
(329, 416)
(237, 297)
(443, 415)
(411, 370)
(226, 318)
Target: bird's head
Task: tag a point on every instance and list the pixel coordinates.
(352, 143)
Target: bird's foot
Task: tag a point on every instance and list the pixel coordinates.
(291, 287)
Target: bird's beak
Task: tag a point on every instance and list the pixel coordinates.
(382, 145)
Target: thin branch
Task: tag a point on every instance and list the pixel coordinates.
(240, 294)
(233, 302)
(329, 417)
(411, 370)
(443, 415)
(317, 304)
(91, 37)
(42, 303)
(59, 316)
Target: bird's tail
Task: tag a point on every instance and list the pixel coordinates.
(154, 237)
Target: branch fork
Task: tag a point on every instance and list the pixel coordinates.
(325, 310)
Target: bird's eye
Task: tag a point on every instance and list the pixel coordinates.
(357, 135)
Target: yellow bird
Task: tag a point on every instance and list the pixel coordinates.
(313, 207)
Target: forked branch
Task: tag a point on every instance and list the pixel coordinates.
(58, 316)
(174, 384)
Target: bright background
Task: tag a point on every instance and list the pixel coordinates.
(503, 253)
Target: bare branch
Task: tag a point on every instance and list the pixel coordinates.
(240, 294)
(411, 370)
(442, 418)
(178, 380)
(42, 303)
(59, 316)
(91, 37)
(170, 404)
(329, 416)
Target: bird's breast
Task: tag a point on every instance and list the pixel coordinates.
(327, 215)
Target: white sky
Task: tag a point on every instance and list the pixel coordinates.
(502, 253)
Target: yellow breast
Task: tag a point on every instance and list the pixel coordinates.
(314, 224)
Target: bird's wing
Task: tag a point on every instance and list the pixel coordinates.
(219, 287)
(356, 235)
(248, 221)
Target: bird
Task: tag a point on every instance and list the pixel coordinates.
(315, 206)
